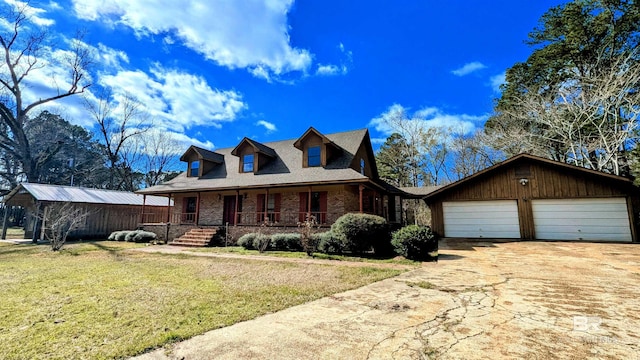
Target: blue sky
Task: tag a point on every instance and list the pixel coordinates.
(212, 72)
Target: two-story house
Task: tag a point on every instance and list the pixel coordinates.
(280, 183)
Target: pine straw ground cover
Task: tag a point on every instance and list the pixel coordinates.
(96, 300)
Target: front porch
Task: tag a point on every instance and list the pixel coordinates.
(274, 207)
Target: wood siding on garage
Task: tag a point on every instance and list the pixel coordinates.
(545, 179)
(582, 219)
(481, 219)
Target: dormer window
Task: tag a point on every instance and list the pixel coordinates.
(247, 163)
(201, 161)
(253, 156)
(194, 169)
(313, 156)
(317, 149)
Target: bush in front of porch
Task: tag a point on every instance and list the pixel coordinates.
(353, 233)
(359, 233)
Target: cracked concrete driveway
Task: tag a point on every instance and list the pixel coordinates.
(524, 300)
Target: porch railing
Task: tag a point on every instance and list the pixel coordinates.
(285, 218)
(247, 218)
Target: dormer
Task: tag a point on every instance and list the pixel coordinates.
(253, 155)
(200, 161)
(317, 149)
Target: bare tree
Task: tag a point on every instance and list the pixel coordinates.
(414, 134)
(120, 123)
(159, 155)
(590, 121)
(25, 50)
(473, 153)
(60, 219)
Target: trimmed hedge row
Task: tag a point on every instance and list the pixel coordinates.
(355, 233)
(138, 236)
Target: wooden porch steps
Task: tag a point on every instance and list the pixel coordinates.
(195, 238)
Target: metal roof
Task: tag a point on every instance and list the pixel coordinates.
(58, 193)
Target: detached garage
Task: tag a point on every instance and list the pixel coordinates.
(528, 197)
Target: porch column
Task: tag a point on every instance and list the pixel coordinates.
(44, 220)
(361, 189)
(144, 202)
(5, 221)
(266, 205)
(197, 219)
(309, 204)
(375, 203)
(169, 209)
(36, 219)
(235, 210)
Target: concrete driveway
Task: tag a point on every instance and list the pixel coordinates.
(524, 300)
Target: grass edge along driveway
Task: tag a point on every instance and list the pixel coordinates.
(96, 300)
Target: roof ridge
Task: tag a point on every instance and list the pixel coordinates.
(292, 139)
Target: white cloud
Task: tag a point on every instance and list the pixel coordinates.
(468, 68)
(109, 57)
(270, 127)
(498, 80)
(186, 141)
(426, 118)
(332, 69)
(32, 13)
(251, 34)
(329, 70)
(178, 100)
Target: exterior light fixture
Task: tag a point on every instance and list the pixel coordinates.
(524, 181)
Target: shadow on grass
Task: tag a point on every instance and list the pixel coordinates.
(20, 248)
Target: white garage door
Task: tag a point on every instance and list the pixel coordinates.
(481, 219)
(582, 219)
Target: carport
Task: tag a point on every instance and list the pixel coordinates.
(528, 197)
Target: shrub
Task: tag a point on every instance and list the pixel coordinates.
(140, 236)
(118, 235)
(246, 241)
(286, 241)
(261, 242)
(359, 232)
(329, 244)
(416, 243)
(143, 236)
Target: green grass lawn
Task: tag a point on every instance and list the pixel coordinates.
(97, 300)
(302, 255)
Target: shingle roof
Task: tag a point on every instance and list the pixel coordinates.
(58, 193)
(260, 148)
(285, 169)
(421, 190)
(204, 154)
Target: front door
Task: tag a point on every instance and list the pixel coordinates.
(229, 214)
